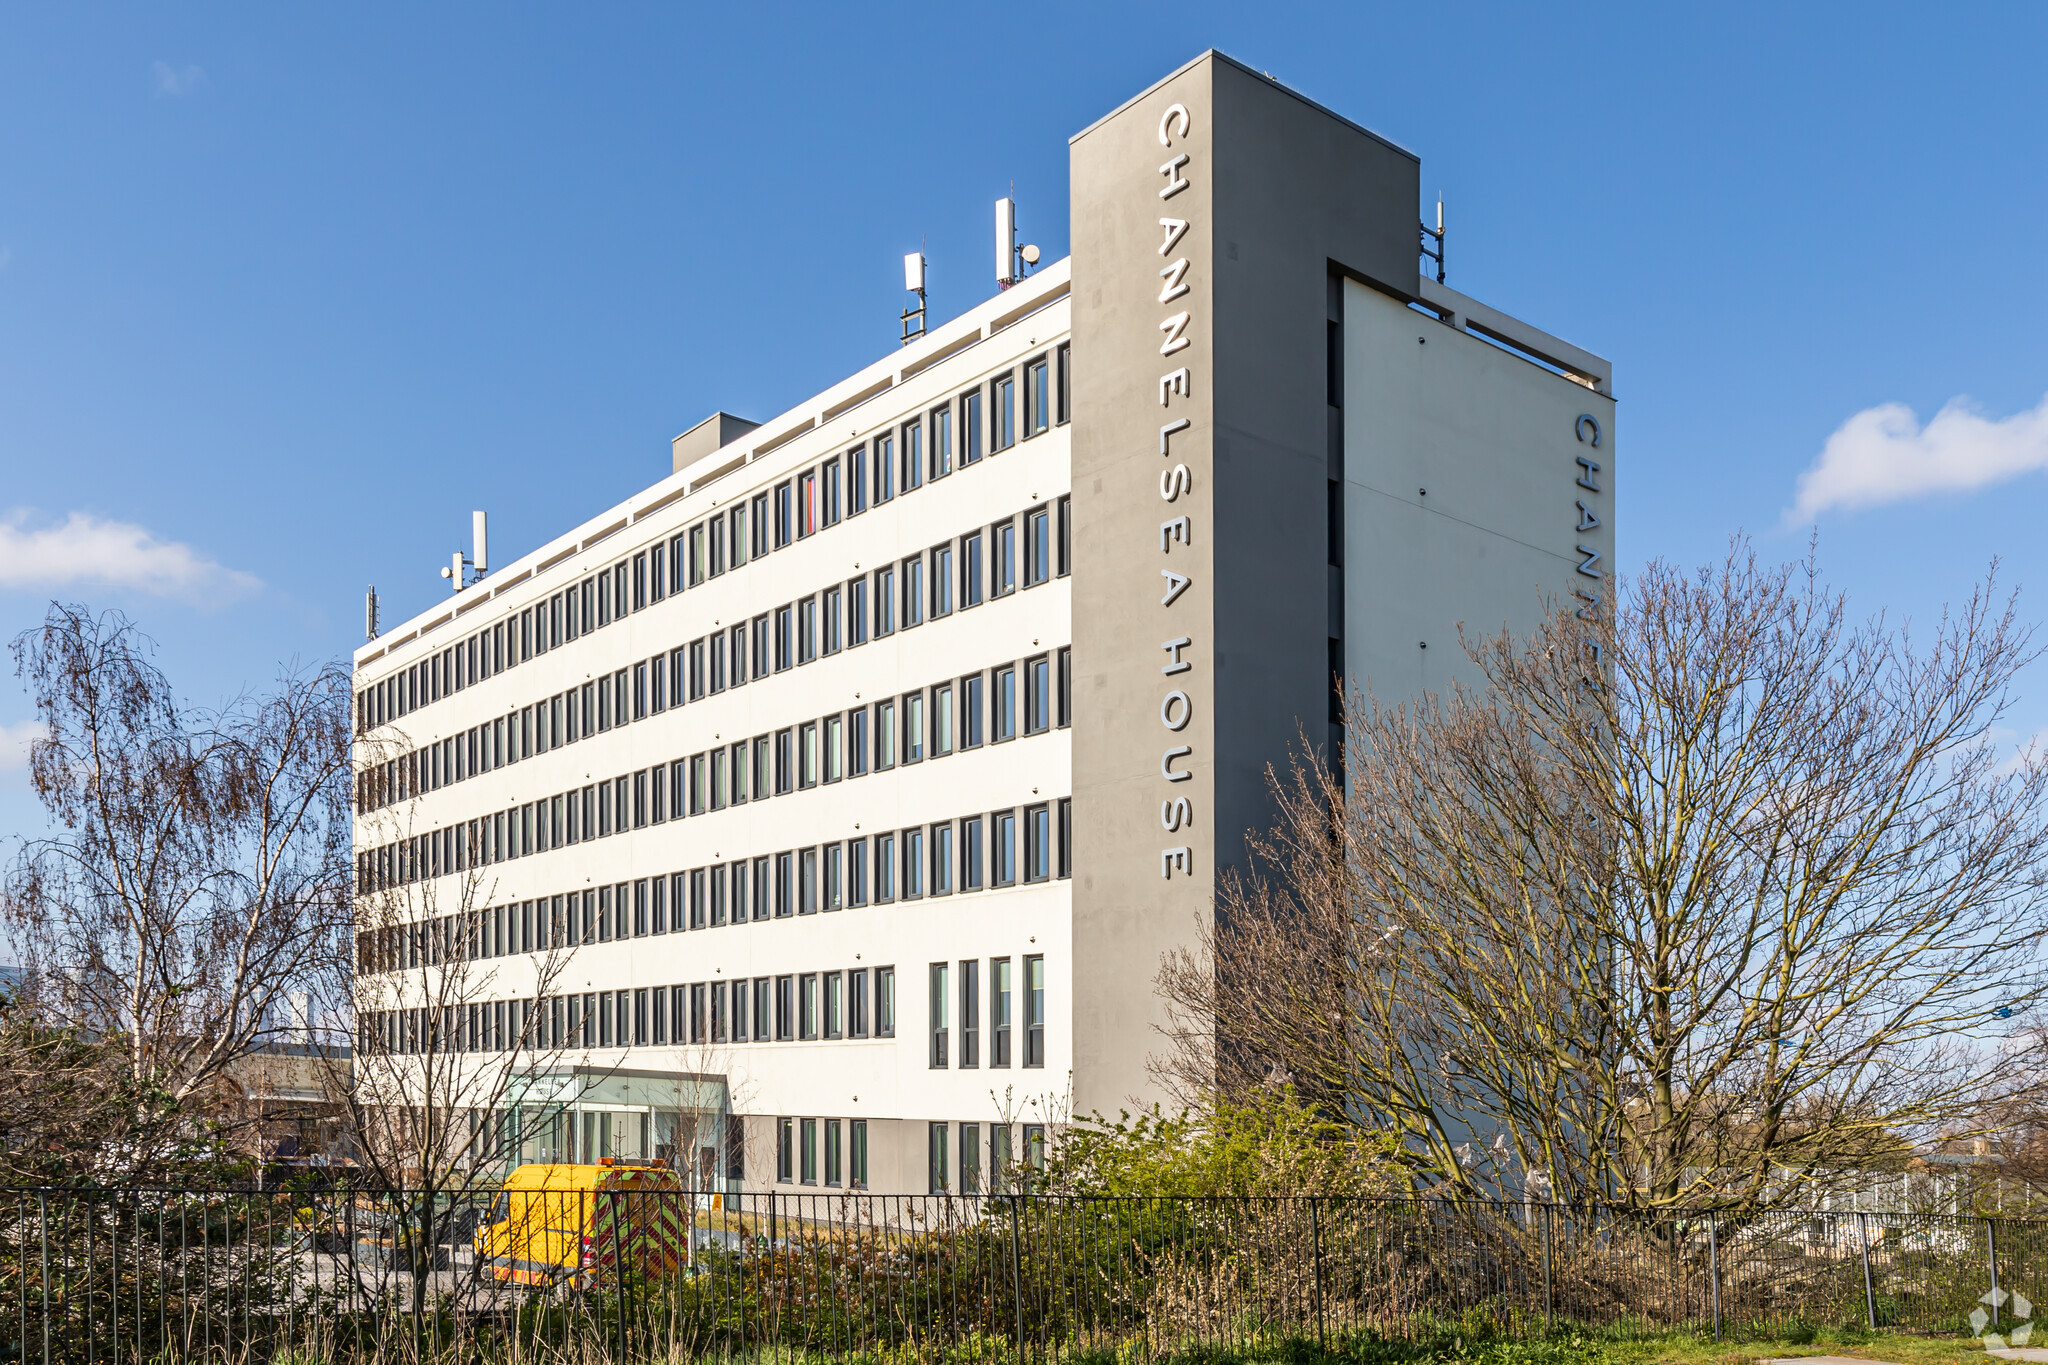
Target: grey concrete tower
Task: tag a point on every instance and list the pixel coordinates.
(1248, 475)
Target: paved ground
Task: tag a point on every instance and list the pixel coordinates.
(2020, 1352)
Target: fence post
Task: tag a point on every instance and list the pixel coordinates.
(1548, 1311)
(1017, 1271)
(43, 1235)
(1869, 1293)
(1714, 1271)
(1991, 1256)
(618, 1197)
(1315, 1232)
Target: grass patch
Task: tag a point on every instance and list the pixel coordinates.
(1582, 1348)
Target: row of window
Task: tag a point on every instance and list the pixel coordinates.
(960, 714)
(795, 1007)
(1002, 1007)
(845, 1149)
(843, 616)
(1003, 1169)
(798, 507)
(969, 854)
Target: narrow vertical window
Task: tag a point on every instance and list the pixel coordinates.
(972, 874)
(885, 469)
(911, 476)
(1003, 563)
(913, 591)
(999, 1012)
(942, 858)
(1003, 705)
(806, 503)
(1003, 848)
(941, 1005)
(970, 569)
(1037, 392)
(970, 1013)
(970, 427)
(1002, 413)
(1034, 1011)
(857, 612)
(1037, 844)
(942, 442)
(972, 712)
(942, 580)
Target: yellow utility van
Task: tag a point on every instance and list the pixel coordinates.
(555, 1223)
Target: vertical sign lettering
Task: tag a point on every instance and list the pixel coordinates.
(1176, 488)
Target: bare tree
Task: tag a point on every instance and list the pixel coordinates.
(1710, 899)
(455, 1021)
(199, 873)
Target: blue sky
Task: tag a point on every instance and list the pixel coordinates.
(286, 291)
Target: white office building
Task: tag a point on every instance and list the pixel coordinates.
(846, 785)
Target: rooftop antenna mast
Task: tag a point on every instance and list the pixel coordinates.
(1013, 262)
(913, 280)
(1433, 241)
(462, 573)
(370, 613)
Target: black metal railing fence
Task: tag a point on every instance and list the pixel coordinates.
(617, 1275)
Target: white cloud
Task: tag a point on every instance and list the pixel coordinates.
(177, 80)
(84, 549)
(14, 742)
(1883, 454)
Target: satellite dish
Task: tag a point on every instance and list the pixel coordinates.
(1030, 255)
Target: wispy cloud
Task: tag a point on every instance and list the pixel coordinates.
(14, 742)
(1883, 454)
(177, 80)
(84, 549)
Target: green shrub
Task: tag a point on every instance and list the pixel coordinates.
(1268, 1145)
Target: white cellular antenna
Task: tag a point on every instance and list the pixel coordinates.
(1013, 262)
(913, 281)
(462, 573)
(1006, 243)
(370, 613)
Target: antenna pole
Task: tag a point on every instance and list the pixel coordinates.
(1433, 240)
(370, 613)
